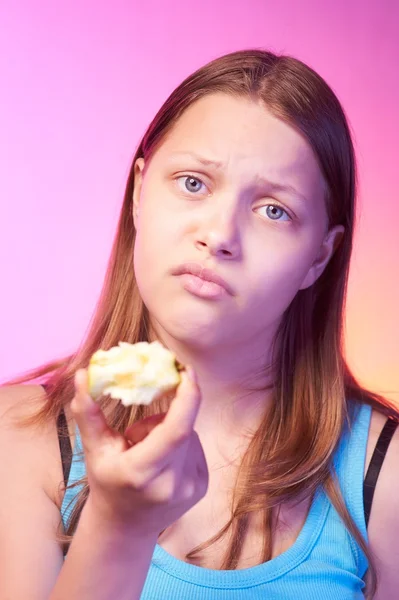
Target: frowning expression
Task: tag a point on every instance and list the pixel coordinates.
(237, 190)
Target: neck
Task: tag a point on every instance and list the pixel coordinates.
(236, 387)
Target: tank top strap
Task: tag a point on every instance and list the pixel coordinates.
(349, 463)
(76, 473)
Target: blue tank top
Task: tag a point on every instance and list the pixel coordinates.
(325, 562)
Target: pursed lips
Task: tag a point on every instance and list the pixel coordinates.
(204, 273)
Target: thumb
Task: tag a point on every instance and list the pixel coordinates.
(88, 414)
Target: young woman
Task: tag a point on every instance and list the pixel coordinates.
(256, 480)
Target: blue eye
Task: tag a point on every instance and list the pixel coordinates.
(274, 212)
(191, 184)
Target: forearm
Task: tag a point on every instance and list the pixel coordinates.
(104, 562)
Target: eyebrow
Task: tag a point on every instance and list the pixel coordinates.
(204, 161)
(276, 187)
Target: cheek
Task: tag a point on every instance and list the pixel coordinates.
(277, 276)
(153, 245)
(157, 216)
(145, 270)
(151, 229)
(139, 262)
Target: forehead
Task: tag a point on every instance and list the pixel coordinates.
(231, 129)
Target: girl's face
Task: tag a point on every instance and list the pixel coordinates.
(239, 192)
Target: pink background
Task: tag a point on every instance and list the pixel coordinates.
(79, 83)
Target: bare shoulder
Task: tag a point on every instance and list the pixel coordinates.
(33, 449)
(20, 398)
(30, 475)
(383, 528)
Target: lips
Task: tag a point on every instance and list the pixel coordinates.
(205, 274)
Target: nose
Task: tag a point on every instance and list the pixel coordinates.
(220, 233)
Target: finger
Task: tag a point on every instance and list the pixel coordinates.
(88, 414)
(140, 429)
(184, 408)
(177, 426)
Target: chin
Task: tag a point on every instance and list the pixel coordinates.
(187, 327)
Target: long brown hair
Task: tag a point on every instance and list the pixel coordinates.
(291, 454)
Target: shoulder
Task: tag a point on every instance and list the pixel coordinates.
(30, 475)
(17, 398)
(377, 423)
(383, 528)
(33, 450)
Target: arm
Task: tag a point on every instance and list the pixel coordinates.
(30, 559)
(383, 526)
(102, 563)
(137, 489)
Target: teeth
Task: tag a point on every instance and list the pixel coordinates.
(133, 373)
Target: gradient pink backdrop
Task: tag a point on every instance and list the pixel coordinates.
(79, 83)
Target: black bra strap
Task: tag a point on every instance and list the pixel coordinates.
(368, 485)
(376, 464)
(65, 445)
(64, 442)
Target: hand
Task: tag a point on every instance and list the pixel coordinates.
(149, 477)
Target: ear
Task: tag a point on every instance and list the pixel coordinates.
(330, 244)
(138, 182)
